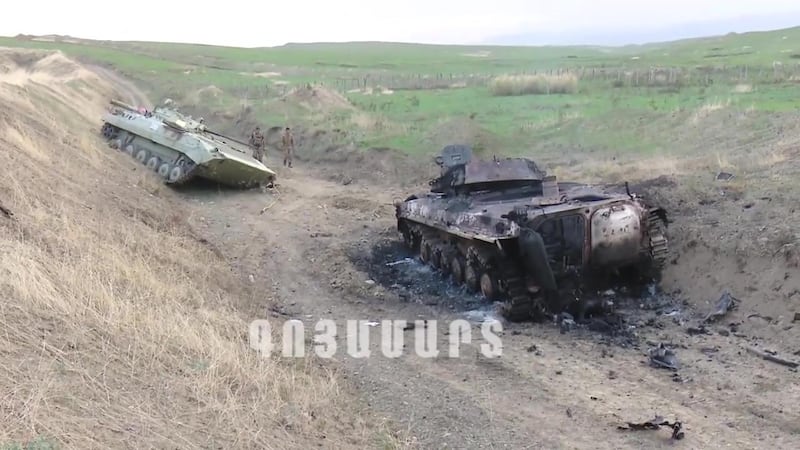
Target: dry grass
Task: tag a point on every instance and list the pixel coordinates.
(616, 171)
(120, 327)
(708, 109)
(375, 124)
(506, 85)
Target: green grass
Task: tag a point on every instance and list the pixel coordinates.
(614, 110)
(40, 443)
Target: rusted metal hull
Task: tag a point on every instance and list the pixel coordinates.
(516, 235)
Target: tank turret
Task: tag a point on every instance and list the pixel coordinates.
(461, 174)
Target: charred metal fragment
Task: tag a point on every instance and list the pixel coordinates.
(725, 303)
(773, 357)
(6, 212)
(663, 357)
(655, 424)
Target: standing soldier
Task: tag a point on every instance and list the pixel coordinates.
(257, 142)
(288, 146)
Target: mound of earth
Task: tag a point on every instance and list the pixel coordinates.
(121, 326)
(463, 131)
(316, 98)
(39, 66)
(348, 164)
(208, 94)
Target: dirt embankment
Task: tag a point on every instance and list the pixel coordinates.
(121, 327)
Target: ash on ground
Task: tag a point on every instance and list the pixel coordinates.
(633, 310)
(635, 307)
(392, 265)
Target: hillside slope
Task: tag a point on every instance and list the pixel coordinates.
(120, 327)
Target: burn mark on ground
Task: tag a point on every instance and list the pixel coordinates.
(634, 310)
(620, 315)
(392, 265)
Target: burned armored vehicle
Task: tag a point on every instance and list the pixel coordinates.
(180, 148)
(504, 228)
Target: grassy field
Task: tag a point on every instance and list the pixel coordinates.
(416, 98)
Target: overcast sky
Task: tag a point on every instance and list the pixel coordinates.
(268, 23)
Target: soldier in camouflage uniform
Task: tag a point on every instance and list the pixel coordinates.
(288, 146)
(257, 142)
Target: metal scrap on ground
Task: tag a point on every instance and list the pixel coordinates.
(724, 176)
(773, 357)
(6, 212)
(726, 303)
(655, 424)
(663, 357)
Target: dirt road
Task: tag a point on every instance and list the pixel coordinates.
(310, 248)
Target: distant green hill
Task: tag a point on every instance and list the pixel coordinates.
(754, 48)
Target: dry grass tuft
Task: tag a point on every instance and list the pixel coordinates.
(617, 171)
(506, 85)
(708, 109)
(120, 327)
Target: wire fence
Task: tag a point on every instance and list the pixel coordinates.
(665, 77)
(617, 77)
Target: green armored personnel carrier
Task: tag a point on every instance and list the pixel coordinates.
(180, 148)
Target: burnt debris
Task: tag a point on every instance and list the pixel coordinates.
(655, 424)
(663, 357)
(6, 212)
(772, 356)
(725, 304)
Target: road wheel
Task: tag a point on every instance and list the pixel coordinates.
(163, 170)
(175, 174)
(141, 156)
(471, 278)
(436, 257)
(457, 269)
(425, 251)
(408, 238)
(444, 262)
(153, 163)
(489, 287)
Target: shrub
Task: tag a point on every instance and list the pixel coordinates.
(539, 84)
